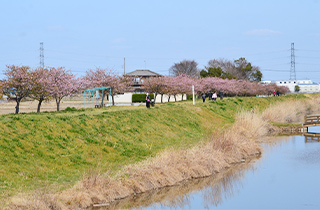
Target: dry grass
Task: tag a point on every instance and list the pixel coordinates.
(291, 111)
(31, 106)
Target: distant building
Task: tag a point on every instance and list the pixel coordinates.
(305, 86)
(309, 88)
(139, 76)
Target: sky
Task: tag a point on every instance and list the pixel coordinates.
(126, 35)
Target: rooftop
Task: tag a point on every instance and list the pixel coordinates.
(141, 73)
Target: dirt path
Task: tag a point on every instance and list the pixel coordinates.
(31, 106)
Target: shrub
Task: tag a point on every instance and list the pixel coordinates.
(189, 97)
(141, 97)
(71, 109)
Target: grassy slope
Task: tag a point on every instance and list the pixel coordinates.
(57, 148)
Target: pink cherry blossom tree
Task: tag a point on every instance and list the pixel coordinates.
(40, 87)
(184, 84)
(17, 83)
(170, 87)
(154, 85)
(61, 83)
(106, 78)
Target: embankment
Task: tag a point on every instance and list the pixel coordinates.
(127, 150)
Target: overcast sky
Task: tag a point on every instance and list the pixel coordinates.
(81, 35)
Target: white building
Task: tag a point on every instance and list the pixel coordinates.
(306, 86)
(309, 88)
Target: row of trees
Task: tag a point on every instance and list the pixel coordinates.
(40, 84)
(181, 84)
(239, 69)
(43, 84)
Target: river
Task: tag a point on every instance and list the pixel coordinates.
(286, 176)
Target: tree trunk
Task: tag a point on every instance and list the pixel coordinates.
(182, 97)
(168, 98)
(155, 96)
(161, 98)
(175, 98)
(58, 104)
(39, 105)
(112, 100)
(17, 106)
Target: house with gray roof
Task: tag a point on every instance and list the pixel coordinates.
(138, 76)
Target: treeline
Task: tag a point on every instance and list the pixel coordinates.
(182, 84)
(43, 84)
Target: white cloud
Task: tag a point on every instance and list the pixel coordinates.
(262, 32)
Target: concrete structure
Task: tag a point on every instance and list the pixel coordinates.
(309, 88)
(306, 86)
(126, 99)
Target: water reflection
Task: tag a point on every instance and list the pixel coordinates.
(214, 190)
(313, 135)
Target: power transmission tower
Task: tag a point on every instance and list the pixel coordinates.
(41, 55)
(293, 64)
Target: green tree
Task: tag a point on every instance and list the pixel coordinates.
(296, 88)
(245, 71)
(204, 73)
(256, 76)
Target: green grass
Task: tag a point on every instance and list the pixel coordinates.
(57, 148)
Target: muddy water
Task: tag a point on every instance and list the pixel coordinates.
(287, 176)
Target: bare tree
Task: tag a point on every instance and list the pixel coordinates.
(186, 67)
(239, 69)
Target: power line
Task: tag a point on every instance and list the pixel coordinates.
(281, 70)
(277, 51)
(308, 50)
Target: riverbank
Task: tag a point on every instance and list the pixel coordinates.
(184, 125)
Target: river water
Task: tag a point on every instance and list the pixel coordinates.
(286, 176)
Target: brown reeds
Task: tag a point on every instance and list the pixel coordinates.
(291, 111)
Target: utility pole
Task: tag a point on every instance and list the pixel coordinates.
(41, 55)
(293, 64)
(124, 66)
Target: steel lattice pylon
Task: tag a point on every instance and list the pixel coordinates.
(293, 64)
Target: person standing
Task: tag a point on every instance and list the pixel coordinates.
(214, 96)
(221, 95)
(148, 101)
(204, 97)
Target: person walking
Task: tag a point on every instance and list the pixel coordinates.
(214, 96)
(204, 97)
(148, 101)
